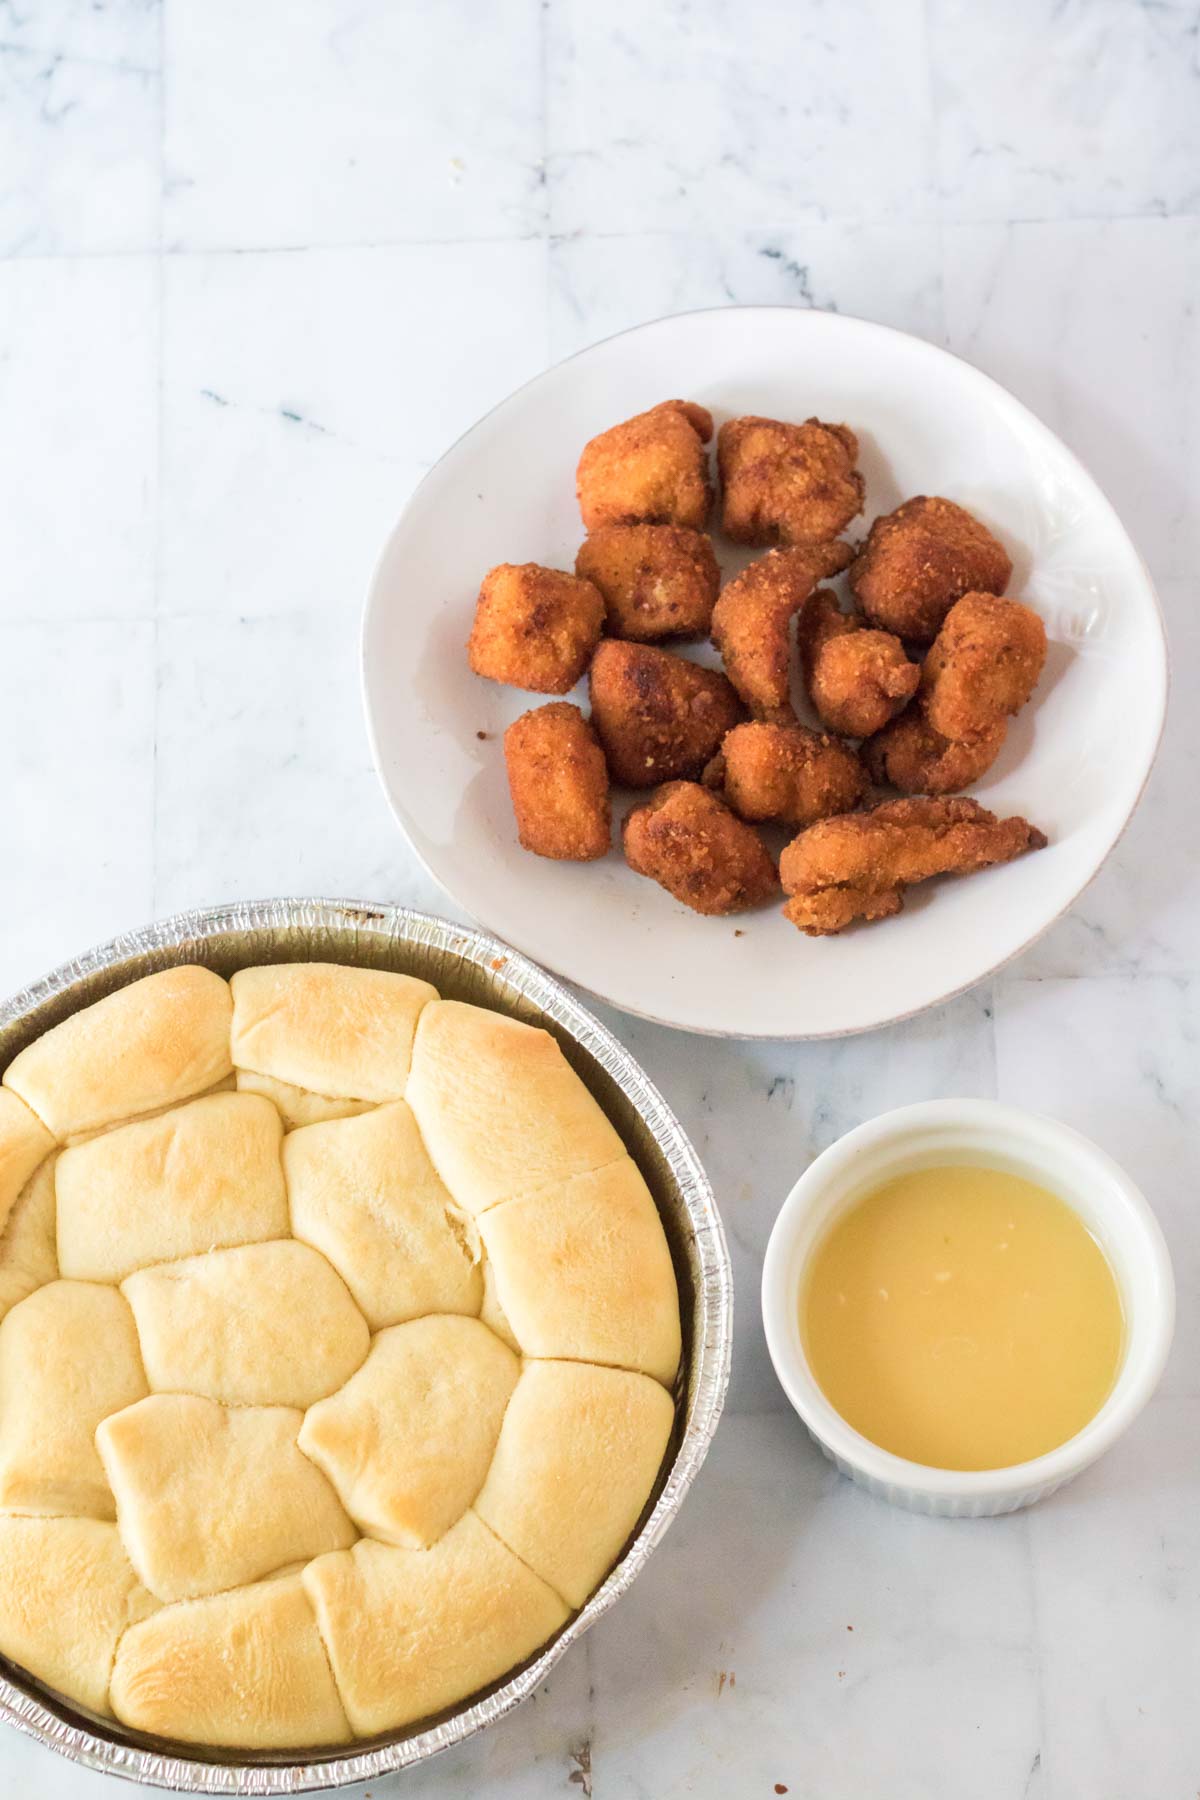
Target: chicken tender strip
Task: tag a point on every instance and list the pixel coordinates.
(752, 617)
(858, 866)
(910, 755)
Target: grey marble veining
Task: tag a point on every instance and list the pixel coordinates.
(259, 266)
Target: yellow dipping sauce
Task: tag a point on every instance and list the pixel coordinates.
(962, 1317)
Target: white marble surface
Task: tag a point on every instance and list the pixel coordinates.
(259, 265)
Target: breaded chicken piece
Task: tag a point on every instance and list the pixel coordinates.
(915, 758)
(920, 559)
(858, 866)
(687, 840)
(559, 784)
(657, 716)
(751, 619)
(983, 666)
(652, 469)
(857, 678)
(658, 581)
(786, 772)
(534, 628)
(787, 484)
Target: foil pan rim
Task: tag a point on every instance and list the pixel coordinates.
(89, 1746)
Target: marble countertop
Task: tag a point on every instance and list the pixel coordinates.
(259, 266)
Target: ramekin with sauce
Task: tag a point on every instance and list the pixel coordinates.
(864, 1177)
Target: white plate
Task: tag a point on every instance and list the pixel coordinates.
(1075, 762)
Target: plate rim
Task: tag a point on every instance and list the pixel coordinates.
(372, 609)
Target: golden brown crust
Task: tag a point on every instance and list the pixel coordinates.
(534, 628)
(689, 841)
(857, 866)
(786, 773)
(651, 469)
(910, 755)
(158, 1041)
(920, 559)
(658, 716)
(983, 666)
(658, 581)
(751, 622)
(558, 781)
(330, 1028)
(787, 484)
(857, 678)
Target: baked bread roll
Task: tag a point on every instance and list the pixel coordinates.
(582, 1271)
(201, 1177)
(210, 1497)
(411, 1631)
(67, 1593)
(364, 1193)
(28, 1254)
(328, 1028)
(156, 1042)
(500, 1107)
(245, 1667)
(263, 1325)
(68, 1358)
(24, 1144)
(576, 1461)
(408, 1441)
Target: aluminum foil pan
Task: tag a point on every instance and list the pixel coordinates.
(465, 965)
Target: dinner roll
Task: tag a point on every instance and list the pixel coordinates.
(68, 1357)
(245, 1667)
(328, 1027)
(202, 1177)
(28, 1254)
(408, 1440)
(262, 1325)
(500, 1107)
(157, 1041)
(209, 1497)
(582, 1271)
(576, 1461)
(411, 1631)
(67, 1592)
(364, 1193)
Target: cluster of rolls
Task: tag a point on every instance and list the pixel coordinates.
(337, 1339)
(913, 686)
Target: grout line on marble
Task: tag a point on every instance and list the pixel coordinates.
(712, 229)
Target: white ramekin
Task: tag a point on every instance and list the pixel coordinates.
(996, 1137)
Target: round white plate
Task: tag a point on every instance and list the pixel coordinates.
(1075, 762)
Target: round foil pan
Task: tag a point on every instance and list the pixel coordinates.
(464, 964)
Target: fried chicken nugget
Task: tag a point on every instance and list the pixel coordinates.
(559, 784)
(652, 469)
(983, 666)
(857, 678)
(751, 619)
(786, 772)
(858, 866)
(687, 840)
(915, 758)
(920, 559)
(657, 716)
(534, 628)
(658, 581)
(787, 484)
